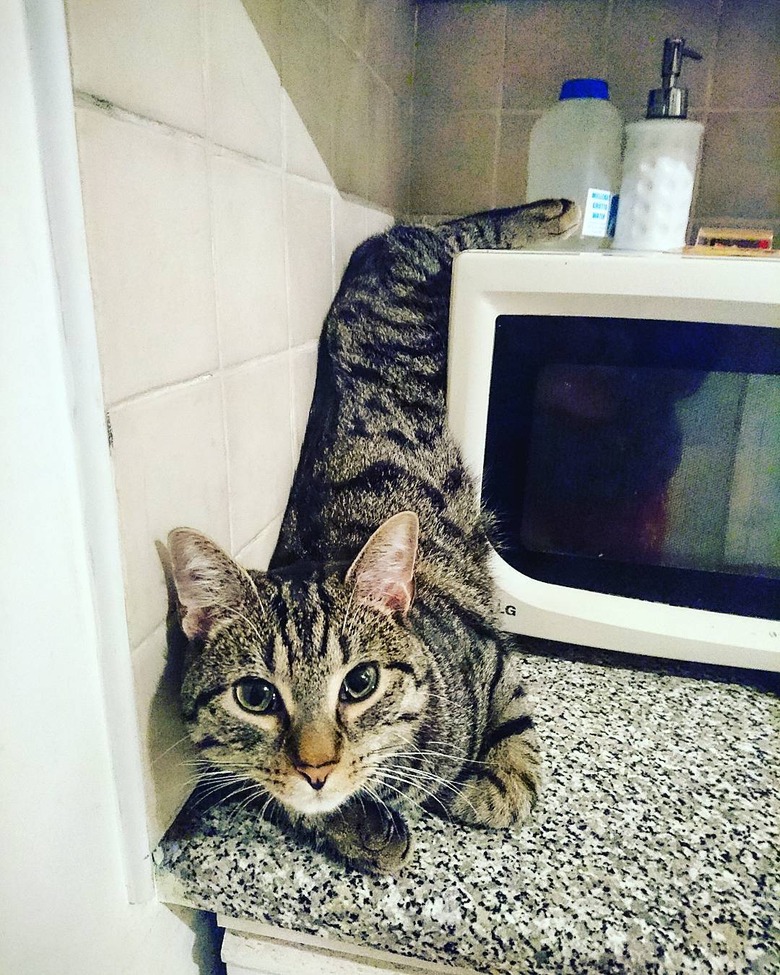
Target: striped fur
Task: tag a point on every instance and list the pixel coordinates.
(379, 576)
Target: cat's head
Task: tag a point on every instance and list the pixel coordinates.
(305, 681)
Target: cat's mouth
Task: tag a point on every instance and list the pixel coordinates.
(301, 797)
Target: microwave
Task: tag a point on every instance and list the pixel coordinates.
(620, 414)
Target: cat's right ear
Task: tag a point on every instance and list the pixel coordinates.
(382, 575)
(211, 587)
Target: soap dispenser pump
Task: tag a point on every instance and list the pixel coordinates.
(659, 167)
(670, 100)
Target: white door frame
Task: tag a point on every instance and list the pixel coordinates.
(44, 93)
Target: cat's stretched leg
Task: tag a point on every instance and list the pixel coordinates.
(500, 788)
(516, 227)
(367, 835)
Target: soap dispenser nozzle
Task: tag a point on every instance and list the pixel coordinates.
(671, 101)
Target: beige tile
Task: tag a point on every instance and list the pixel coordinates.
(249, 259)
(145, 57)
(170, 470)
(548, 41)
(304, 369)
(740, 166)
(257, 411)
(746, 66)
(148, 233)
(513, 159)
(302, 157)
(391, 151)
(244, 90)
(348, 20)
(309, 257)
(635, 49)
(459, 55)
(453, 163)
(257, 554)
(390, 42)
(266, 17)
(167, 753)
(354, 139)
(306, 72)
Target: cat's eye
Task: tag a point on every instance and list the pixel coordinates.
(360, 683)
(256, 695)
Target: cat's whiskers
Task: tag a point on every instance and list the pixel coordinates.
(372, 794)
(425, 752)
(429, 776)
(420, 752)
(170, 748)
(455, 789)
(256, 793)
(266, 804)
(405, 796)
(226, 777)
(394, 777)
(242, 784)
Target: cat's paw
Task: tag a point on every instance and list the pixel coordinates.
(370, 837)
(483, 801)
(547, 219)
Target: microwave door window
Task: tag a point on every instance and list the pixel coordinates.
(630, 475)
(605, 444)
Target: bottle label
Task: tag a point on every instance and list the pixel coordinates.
(595, 220)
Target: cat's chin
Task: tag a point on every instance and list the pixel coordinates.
(315, 804)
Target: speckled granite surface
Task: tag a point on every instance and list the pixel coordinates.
(655, 847)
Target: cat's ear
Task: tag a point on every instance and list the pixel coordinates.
(211, 587)
(382, 575)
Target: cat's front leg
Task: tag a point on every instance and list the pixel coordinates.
(367, 835)
(501, 787)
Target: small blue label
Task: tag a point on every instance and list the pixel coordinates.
(598, 209)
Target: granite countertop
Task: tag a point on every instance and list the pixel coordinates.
(655, 847)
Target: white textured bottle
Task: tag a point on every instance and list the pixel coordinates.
(574, 152)
(659, 169)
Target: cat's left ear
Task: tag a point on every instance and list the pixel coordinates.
(211, 587)
(382, 575)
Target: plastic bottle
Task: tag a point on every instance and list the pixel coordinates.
(659, 170)
(575, 152)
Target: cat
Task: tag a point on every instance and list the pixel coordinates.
(363, 674)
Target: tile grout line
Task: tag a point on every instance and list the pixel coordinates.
(216, 303)
(500, 121)
(287, 282)
(116, 112)
(181, 384)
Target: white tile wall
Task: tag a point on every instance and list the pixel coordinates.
(171, 469)
(216, 237)
(146, 203)
(244, 91)
(309, 226)
(249, 259)
(258, 420)
(144, 56)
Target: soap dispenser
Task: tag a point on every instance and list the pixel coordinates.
(659, 166)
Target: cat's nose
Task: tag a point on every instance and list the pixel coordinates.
(316, 775)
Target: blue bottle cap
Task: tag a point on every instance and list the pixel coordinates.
(584, 88)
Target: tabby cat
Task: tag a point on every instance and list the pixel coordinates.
(363, 675)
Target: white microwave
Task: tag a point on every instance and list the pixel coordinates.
(621, 416)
